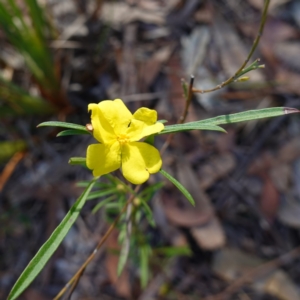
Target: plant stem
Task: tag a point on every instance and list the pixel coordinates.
(254, 46)
(181, 120)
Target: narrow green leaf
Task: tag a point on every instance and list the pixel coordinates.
(63, 125)
(174, 251)
(75, 161)
(211, 124)
(148, 213)
(191, 126)
(72, 132)
(149, 191)
(179, 186)
(145, 251)
(102, 203)
(248, 115)
(98, 194)
(46, 251)
(124, 251)
(101, 185)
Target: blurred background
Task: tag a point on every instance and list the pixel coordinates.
(243, 236)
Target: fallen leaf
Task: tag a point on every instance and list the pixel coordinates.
(269, 199)
(232, 264)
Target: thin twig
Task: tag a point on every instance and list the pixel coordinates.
(181, 120)
(9, 168)
(254, 46)
(79, 273)
(188, 101)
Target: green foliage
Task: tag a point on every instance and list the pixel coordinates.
(72, 132)
(181, 188)
(64, 125)
(9, 148)
(46, 251)
(26, 27)
(16, 101)
(211, 124)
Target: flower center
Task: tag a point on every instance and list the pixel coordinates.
(123, 139)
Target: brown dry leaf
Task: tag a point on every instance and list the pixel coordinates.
(121, 283)
(149, 69)
(176, 98)
(262, 163)
(269, 200)
(116, 14)
(232, 263)
(210, 235)
(215, 169)
(184, 216)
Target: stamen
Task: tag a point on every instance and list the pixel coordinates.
(123, 139)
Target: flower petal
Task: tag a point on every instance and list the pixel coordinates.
(146, 115)
(139, 129)
(103, 132)
(138, 160)
(103, 158)
(116, 114)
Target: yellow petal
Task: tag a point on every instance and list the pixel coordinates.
(102, 130)
(116, 114)
(146, 115)
(139, 129)
(139, 160)
(103, 158)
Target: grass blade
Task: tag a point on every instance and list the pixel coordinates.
(72, 132)
(46, 251)
(249, 115)
(191, 126)
(181, 188)
(64, 125)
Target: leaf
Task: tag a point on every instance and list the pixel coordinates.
(145, 251)
(179, 186)
(98, 194)
(102, 203)
(148, 213)
(191, 126)
(126, 241)
(46, 251)
(9, 148)
(16, 101)
(63, 125)
(124, 253)
(211, 124)
(248, 115)
(72, 132)
(174, 251)
(75, 161)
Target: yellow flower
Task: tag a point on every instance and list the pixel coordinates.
(118, 132)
